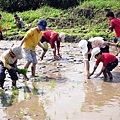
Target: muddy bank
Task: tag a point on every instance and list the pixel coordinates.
(60, 91)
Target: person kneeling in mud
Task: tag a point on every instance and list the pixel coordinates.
(54, 39)
(109, 63)
(8, 61)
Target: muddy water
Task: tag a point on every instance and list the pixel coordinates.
(61, 92)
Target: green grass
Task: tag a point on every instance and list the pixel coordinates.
(65, 20)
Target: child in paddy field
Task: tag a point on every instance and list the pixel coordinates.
(109, 63)
(114, 26)
(8, 61)
(54, 39)
(87, 46)
(30, 42)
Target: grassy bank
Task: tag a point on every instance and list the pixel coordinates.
(72, 21)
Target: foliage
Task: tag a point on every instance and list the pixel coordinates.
(83, 21)
(23, 5)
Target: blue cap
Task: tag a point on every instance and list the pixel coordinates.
(42, 24)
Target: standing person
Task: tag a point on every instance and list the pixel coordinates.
(18, 21)
(109, 63)
(54, 39)
(87, 46)
(8, 61)
(1, 36)
(114, 25)
(29, 43)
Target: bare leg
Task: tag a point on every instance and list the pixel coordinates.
(45, 45)
(110, 75)
(105, 75)
(87, 66)
(43, 54)
(33, 69)
(26, 66)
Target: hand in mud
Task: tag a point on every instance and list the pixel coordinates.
(96, 76)
(45, 50)
(59, 56)
(88, 76)
(91, 74)
(56, 57)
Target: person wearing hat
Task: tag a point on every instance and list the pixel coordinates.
(29, 43)
(8, 61)
(87, 46)
(54, 39)
(109, 63)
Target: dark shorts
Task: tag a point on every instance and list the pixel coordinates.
(115, 40)
(43, 39)
(112, 65)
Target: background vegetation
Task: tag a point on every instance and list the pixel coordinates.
(78, 21)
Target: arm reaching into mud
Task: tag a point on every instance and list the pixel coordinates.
(95, 67)
(103, 68)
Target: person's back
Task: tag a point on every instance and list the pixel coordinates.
(115, 22)
(50, 35)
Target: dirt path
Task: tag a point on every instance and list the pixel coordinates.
(60, 91)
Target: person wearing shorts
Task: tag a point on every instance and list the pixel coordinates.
(109, 63)
(114, 26)
(29, 43)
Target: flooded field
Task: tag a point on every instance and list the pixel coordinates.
(60, 91)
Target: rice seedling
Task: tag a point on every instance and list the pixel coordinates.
(52, 84)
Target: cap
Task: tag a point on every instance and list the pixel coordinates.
(97, 42)
(94, 52)
(62, 36)
(17, 50)
(83, 46)
(42, 24)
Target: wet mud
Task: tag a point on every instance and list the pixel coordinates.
(60, 90)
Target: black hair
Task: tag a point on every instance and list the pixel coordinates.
(89, 45)
(98, 53)
(17, 18)
(15, 15)
(110, 14)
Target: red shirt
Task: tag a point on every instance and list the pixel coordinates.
(51, 37)
(106, 59)
(115, 23)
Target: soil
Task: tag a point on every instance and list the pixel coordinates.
(60, 90)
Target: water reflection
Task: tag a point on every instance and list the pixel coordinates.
(99, 93)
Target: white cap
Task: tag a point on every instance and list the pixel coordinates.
(95, 38)
(83, 46)
(62, 36)
(97, 42)
(17, 50)
(94, 52)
